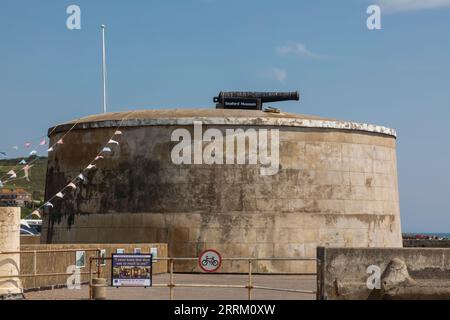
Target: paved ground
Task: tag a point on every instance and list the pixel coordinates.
(297, 282)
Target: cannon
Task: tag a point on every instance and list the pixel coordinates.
(251, 100)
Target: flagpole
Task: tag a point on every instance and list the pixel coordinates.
(104, 67)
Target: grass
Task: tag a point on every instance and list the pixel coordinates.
(36, 174)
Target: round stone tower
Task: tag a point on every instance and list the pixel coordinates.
(244, 182)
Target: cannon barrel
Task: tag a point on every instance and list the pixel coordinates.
(262, 96)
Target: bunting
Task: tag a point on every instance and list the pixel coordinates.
(36, 213)
(12, 174)
(41, 142)
(26, 170)
(91, 166)
(72, 185)
(113, 142)
(81, 176)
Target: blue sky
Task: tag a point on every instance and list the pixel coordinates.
(164, 54)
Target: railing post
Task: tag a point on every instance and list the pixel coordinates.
(318, 279)
(250, 285)
(99, 262)
(34, 267)
(90, 278)
(171, 285)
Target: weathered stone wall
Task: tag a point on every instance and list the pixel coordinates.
(26, 239)
(403, 273)
(9, 242)
(58, 262)
(334, 188)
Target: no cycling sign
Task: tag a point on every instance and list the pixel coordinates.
(209, 260)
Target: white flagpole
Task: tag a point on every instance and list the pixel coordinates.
(104, 67)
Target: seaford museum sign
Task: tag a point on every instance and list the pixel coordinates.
(231, 149)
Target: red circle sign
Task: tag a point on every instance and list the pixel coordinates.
(209, 260)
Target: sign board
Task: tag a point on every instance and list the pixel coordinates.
(242, 103)
(154, 252)
(131, 270)
(209, 260)
(80, 259)
(102, 261)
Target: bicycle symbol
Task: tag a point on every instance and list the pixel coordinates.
(210, 261)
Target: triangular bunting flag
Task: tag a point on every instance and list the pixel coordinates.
(98, 158)
(23, 162)
(33, 153)
(118, 133)
(60, 141)
(91, 166)
(48, 204)
(50, 149)
(27, 144)
(72, 185)
(60, 195)
(26, 170)
(81, 177)
(113, 142)
(1, 184)
(12, 174)
(36, 213)
(106, 149)
(43, 142)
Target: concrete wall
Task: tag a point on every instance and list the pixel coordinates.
(427, 243)
(57, 262)
(30, 239)
(9, 242)
(408, 273)
(335, 188)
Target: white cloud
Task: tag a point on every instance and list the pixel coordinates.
(279, 74)
(297, 49)
(392, 6)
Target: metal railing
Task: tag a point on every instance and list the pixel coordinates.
(249, 286)
(36, 252)
(171, 285)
